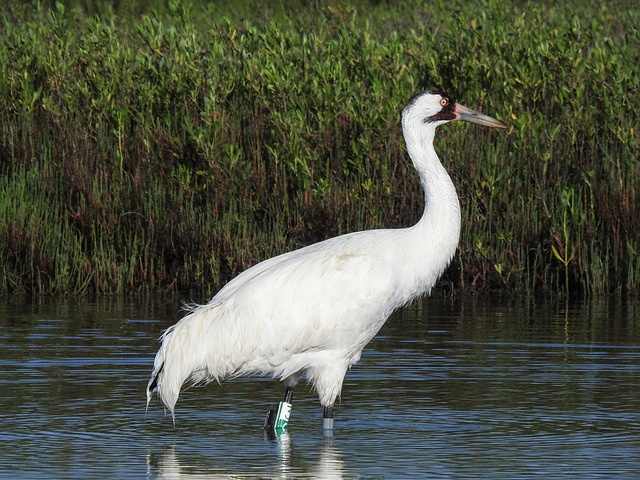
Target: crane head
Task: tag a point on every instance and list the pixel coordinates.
(437, 107)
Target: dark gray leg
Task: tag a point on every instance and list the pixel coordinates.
(288, 393)
(270, 421)
(327, 418)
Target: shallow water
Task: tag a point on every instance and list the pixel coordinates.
(447, 390)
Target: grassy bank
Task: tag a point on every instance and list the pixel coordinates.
(174, 150)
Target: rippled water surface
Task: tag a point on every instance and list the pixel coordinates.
(467, 389)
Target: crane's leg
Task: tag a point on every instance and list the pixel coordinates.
(278, 414)
(327, 418)
(328, 380)
(288, 394)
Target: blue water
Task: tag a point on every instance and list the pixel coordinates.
(447, 390)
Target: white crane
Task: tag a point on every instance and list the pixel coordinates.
(312, 311)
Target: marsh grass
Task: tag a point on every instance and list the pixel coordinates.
(172, 150)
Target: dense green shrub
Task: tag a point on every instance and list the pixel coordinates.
(171, 150)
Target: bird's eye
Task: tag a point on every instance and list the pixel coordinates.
(444, 102)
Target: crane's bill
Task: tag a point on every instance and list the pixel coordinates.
(467, 115)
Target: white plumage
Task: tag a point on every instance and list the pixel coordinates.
(312, 311)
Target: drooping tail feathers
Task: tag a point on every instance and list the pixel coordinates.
(166, 378)
(182, 357)
(220, 340)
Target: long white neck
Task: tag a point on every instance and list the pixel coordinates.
(435, 237)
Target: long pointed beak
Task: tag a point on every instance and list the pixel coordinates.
(467, 115)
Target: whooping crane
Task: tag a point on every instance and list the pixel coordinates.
(311, 312)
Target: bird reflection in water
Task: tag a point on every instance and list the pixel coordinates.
(329, 465)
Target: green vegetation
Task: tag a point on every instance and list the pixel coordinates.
(172, 150)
